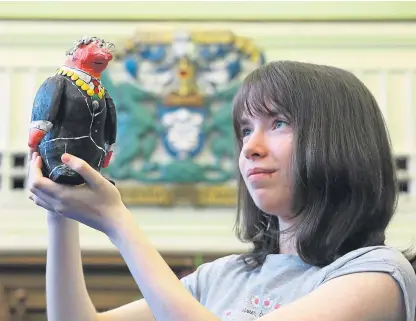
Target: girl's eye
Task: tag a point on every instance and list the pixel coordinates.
(245, 132)
(279, 124)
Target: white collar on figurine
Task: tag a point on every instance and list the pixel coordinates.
(81, 74)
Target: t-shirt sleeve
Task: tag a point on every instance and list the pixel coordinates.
(191, 282)
(385, 260)
(205, 277)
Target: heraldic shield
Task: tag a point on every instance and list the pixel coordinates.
(173, 92)
(182, 134)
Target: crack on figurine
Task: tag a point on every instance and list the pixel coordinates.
(63, 138)
(46, 156)
(55, 168)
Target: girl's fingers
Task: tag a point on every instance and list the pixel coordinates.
(39, 202)
(91, 176)
(45, 195)
(51, 203)
(33, 152)
(38, 182)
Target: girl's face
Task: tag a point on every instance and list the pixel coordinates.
(264, 162)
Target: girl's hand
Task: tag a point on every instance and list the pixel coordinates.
(97, 203)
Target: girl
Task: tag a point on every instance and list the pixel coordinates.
(317, 190)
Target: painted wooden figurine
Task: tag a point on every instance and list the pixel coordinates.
(72, 112)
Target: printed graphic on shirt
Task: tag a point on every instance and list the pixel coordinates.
(254, 308)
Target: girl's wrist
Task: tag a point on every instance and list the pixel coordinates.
(54, 218)
(123, 225)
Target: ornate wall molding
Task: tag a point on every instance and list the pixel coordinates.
(212, 11)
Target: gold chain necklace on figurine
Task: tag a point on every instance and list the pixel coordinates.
(87, 83)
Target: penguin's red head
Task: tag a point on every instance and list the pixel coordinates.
(91, 55)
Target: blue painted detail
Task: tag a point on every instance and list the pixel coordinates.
(153, 53)
(214, 51)
(206, 53)
(42, 104)
(224, 50)
(131, 65)
(234, 68)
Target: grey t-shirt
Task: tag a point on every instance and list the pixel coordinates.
(234, 293)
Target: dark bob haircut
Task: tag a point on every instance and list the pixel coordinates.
(344, 182)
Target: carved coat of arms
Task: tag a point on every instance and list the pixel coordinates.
(173, 91)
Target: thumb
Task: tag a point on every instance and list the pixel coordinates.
(91, 176)
(35, 166)
(32, 151)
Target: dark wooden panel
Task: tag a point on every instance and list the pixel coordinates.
(109, 282)
(4, 305)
